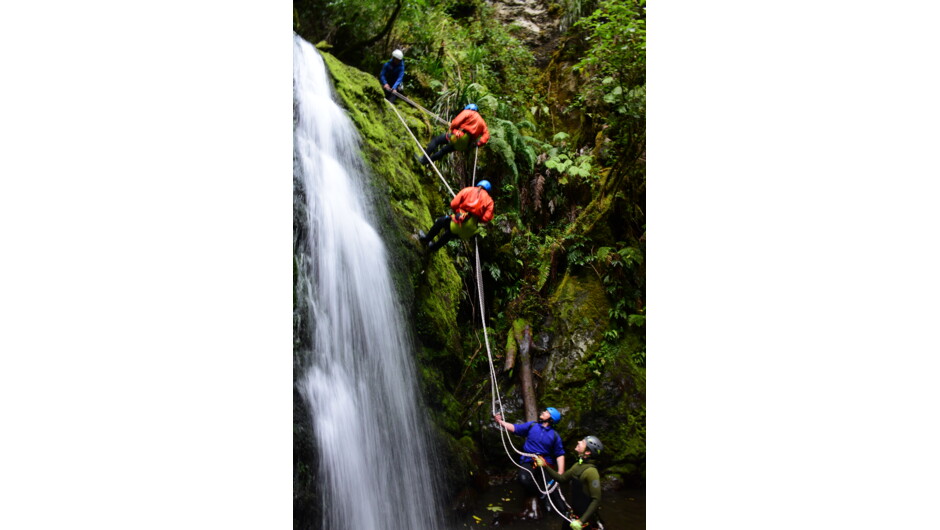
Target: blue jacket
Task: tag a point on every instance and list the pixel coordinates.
(390, 71)
(539, 440)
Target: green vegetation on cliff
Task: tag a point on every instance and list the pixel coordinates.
(565, 252)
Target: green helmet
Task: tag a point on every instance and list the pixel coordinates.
(593, 444)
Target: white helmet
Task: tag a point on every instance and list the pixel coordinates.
(398, 55)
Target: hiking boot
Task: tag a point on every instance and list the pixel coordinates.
(423, 160)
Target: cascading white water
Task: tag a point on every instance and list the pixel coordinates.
(376, 467)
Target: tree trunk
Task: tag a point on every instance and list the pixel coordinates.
(525, 375)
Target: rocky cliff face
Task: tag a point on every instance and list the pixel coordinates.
(597, 384)
(536, 23)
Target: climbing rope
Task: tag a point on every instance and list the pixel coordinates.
(497, 400)
(446, 185)
(494, 387)
(419, 107)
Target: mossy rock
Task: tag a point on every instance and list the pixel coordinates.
(580, 310)
(411, 199)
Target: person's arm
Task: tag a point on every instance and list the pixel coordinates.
(485, 137)
(505, 424)
(558, 451)
(487, 207)
(560, 477)
(382, 76)
(401, 76)
(591, 480)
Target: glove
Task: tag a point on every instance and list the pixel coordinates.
(576, 524)
(539, 461)
(479, 144)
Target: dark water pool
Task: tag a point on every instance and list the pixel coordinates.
(623, 509)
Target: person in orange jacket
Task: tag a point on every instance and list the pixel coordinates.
(471, 206)
(465, 129)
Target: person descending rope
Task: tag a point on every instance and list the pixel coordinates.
(465, 129)
(472, 205)
(585, 494)
(393, 73)
(541, 440)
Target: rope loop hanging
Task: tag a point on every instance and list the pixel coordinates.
(496, 401)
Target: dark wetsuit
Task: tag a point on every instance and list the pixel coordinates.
(585, 495)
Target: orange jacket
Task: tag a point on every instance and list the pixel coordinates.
(475, 201)
(471, 122)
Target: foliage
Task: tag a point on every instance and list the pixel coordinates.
(615, 64)
(548, 179)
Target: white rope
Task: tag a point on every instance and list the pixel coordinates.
(446, 185)
(504, 434)
(419, 107)
(494, 390)
(494, 387)
(476, 152)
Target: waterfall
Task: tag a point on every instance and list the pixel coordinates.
(376, 467)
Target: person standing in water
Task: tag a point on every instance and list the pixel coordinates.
(542, 440)
(585, 496)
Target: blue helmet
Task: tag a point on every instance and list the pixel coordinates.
(472, 106)
(552, 411)
(485, 184)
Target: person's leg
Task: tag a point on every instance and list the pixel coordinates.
(436, 142)
(525, 478)
(441, 241)
(530, 503)
(438, 225)
(553, 501)
(447, 148)
(391, 96)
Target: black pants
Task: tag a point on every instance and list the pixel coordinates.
(389, 95)
(442, 223)
(439, 147)
(532, 488)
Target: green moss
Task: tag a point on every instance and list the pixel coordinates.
(407, 199)
(518, 327)
(605, 394)
(411, 198)
(581, 305)
(598, 383)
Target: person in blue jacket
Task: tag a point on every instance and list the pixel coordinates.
(542, 440)
(393, 73)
